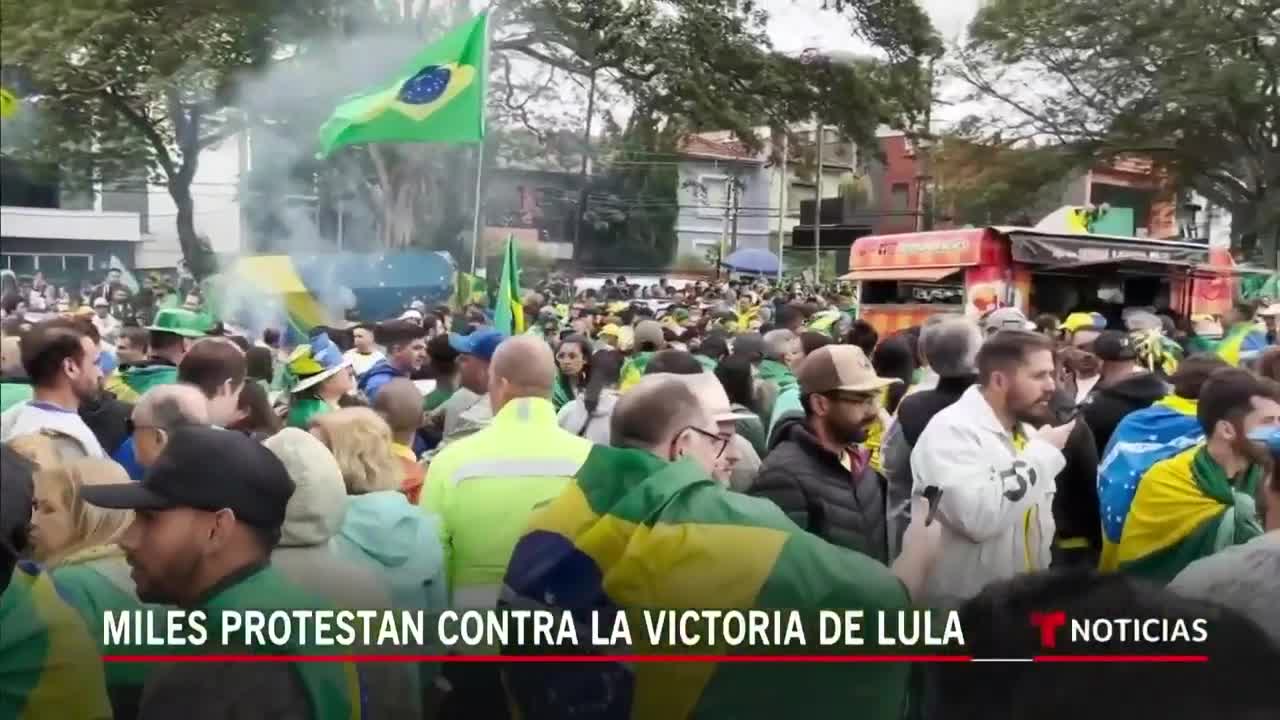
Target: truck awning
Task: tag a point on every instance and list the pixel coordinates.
(922, 274)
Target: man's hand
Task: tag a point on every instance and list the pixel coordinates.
(921, 545)
(1056, 436)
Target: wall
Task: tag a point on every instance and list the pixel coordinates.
(217, 208)
(899, 168)
(701, 220)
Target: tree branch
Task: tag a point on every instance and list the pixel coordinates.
(148, 130)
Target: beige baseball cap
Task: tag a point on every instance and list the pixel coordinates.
(839, 367)
(1272, 310)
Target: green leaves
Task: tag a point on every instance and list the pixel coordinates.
(1195, 85)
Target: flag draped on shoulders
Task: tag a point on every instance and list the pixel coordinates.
(437, 97)
(49, 666)
(1186, 508)
(508, 313)
(632, 531)
(1142, 439)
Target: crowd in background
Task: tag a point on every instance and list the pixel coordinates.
(1118, 463)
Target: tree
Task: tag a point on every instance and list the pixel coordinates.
(1194, 85)
(983, 183)
(133, 90)
(678, 66)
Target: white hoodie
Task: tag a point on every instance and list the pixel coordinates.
(997, 501)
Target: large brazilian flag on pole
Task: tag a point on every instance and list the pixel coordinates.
(438, 97)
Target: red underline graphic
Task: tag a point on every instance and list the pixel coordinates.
(537, 658)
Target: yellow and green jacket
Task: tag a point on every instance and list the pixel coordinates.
(49, 666)
(1186, 508)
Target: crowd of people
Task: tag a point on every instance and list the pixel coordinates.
(1109, 464)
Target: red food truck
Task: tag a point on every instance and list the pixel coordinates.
(905, 278)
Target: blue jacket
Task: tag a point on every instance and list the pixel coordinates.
(375, 377)
(384, 531)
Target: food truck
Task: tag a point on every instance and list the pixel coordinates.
(905, 278)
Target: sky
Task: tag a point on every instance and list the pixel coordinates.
(797, 24)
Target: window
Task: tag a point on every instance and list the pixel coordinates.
(899, 197)
(797, 194)
(21, 264)
(28, 264)
(713, 194)
(76, 264)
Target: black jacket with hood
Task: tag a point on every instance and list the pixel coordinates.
(815, 490)
(1107, 405)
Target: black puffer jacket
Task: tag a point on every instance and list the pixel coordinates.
(1107, 405)
(816, 491)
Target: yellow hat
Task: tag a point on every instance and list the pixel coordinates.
(611, 329)
(1083, 321)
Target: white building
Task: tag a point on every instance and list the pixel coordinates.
(69, 235)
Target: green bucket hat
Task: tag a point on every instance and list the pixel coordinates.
(178, 322)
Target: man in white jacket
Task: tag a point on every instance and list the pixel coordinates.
(996, 473)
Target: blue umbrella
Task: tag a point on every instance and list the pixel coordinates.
(752, 260)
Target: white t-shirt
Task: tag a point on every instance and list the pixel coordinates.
(361, 362)
(33, 417)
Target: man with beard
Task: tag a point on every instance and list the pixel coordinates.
(62, 361)
(814, 470)
(201, 539)
(1203, 500)
(995, 471)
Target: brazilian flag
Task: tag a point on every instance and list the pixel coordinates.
(49, 666)
(438, 98)
(634, 532)
(508, 314)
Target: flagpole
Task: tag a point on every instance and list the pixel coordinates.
(475, 218)
(484, 80)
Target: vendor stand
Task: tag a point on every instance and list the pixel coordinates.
(906, 278)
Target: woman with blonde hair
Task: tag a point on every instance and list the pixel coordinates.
(381, 527)
(76, 541)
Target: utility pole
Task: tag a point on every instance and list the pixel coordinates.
(817, 211)
(585, 168)
(734, 192)
(782, 203)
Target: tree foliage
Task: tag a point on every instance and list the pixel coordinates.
(1196, 85)
(133, 90)
(983, 183)
(140, 87)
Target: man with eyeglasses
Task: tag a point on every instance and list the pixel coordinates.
(664, 416)
(158, 413)
(815, 470)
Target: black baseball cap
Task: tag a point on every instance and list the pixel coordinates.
(207, 468)
(1114, 346)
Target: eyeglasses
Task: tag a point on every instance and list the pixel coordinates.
(721, 442)
(852, 399)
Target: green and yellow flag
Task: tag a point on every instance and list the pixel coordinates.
(634, 532)
(438, 97)
(508, 315)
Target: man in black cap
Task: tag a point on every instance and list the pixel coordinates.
(1125, 386)
(201, 538)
